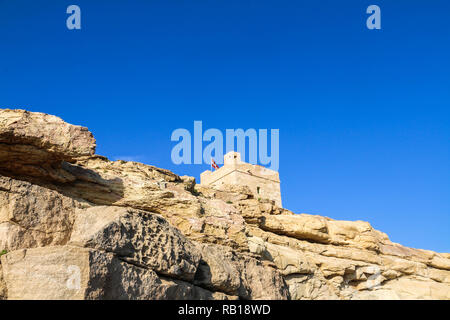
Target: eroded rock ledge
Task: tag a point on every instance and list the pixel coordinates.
(78, 226)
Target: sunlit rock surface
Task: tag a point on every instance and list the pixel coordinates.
(74, 225)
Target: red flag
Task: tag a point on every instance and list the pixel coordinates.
(214, 164)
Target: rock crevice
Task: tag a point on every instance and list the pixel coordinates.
(74, 225)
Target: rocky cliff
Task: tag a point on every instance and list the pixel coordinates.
(74, 225)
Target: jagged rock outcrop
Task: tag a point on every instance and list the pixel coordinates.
(74, 225)
(35, 144)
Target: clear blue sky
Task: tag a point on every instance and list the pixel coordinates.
(363, 115)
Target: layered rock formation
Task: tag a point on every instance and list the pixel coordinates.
(74, 225)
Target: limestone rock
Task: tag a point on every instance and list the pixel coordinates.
(34, 144)
(32, 216)
(45, 132)
(310, 287)
(289, 261)
(264, 283)
(69, 272)
(405, 289)
(78, 226)
(224, 270)
(138, 237)
(228, 193)
(218, 270)
(408, 288)
(131, 184)
(304, 227)
(349, 272)
(217, 222)
(53, 273)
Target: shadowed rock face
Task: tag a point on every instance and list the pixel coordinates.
(48, 135)
(34, 144)
(78, 226)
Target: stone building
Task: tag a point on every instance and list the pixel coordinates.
(264, 183)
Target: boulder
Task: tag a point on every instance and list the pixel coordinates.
(33, 216)
(68, 272)
(34, 144)
(222, 269)
(140, 238)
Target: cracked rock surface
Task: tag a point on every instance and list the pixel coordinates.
(74, 225)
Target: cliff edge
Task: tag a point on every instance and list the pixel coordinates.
(74, 225)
